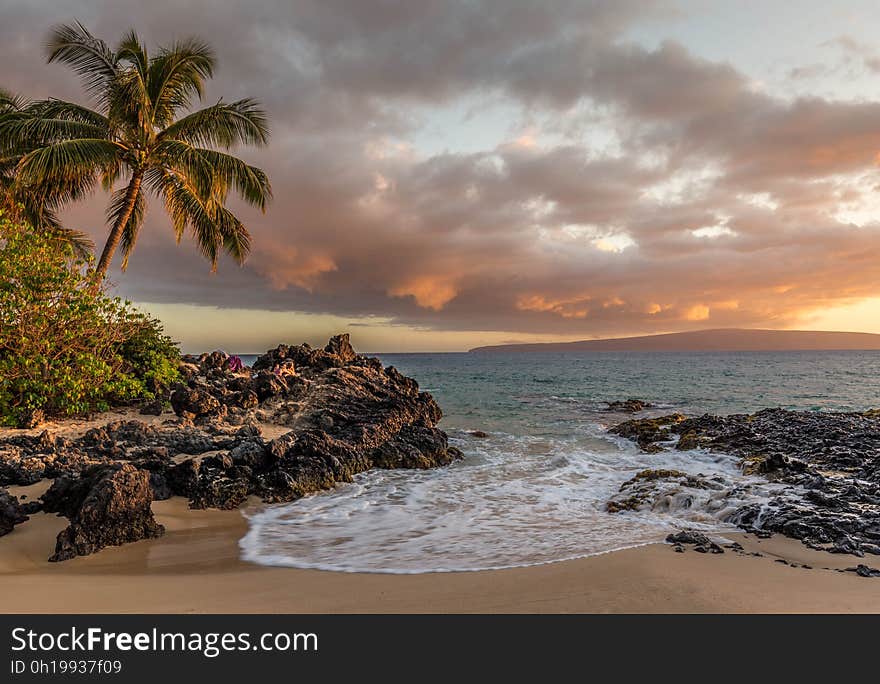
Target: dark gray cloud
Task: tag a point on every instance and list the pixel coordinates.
(707, 200)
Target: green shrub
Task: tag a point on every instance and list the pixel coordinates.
(66, 349)
(150, 356)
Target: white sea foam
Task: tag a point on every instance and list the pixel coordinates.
(513, 501)
(535, 490)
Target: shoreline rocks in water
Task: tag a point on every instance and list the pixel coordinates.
(343, 414)
(700, 542)
(824, 469)
(629, 405)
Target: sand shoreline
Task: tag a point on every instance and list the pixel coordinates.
(196, 568)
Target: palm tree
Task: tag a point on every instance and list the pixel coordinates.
(140, 132)
(36, 208)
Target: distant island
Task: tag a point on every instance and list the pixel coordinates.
(722, 339)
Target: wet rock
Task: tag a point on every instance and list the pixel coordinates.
(864, 571)
(108, 505)
(629, 405)
(649, 432)
(687, 441)
(415, 446)
(310, 461)
(660, 490)
(700, 542)
(479, 434)
(826, 464)
(11, 512)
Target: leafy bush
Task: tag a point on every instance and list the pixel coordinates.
(65, 348)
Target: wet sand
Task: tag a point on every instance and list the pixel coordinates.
(195, 568)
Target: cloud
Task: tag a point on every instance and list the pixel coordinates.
(641, 188)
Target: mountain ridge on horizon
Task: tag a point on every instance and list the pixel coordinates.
(713, 339)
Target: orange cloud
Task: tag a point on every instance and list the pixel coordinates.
(698, 312)
(290, 266)
(429, 292)
(569, 309)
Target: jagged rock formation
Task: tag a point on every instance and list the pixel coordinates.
(107, 505)
(11, 512)
(825, 468)
(346, 414)
(343, 414)
(629, 405)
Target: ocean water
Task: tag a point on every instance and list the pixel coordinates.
(534, 491)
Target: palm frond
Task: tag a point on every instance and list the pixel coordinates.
(187, 162)
(213, 173)
(131, 229)
(222, 125)
(90, 57)
(68, 161)
(26, 132)
(69, 111)
(188, 210)
(251, 183)
(10, 102)
(236, 238)
(42, 217)
(110, 174)
(213, 226)
(177, 75)
(81, 243)
(130, 110)
(131, 50)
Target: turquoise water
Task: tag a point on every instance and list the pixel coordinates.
(534, 491)
(531, 391)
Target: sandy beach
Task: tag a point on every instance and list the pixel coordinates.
(195, 568)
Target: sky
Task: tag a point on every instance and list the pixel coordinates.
(455, 173)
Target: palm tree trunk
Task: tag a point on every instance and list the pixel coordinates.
(115, 236)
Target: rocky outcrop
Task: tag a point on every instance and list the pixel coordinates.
(190, 403)
(699, 541)
(342, 413)
(107, 505)
(649, 433)
(629, 406)
(823, 470)
(11, 512)
(346, 414)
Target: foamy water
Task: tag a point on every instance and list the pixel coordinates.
(534, 491)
